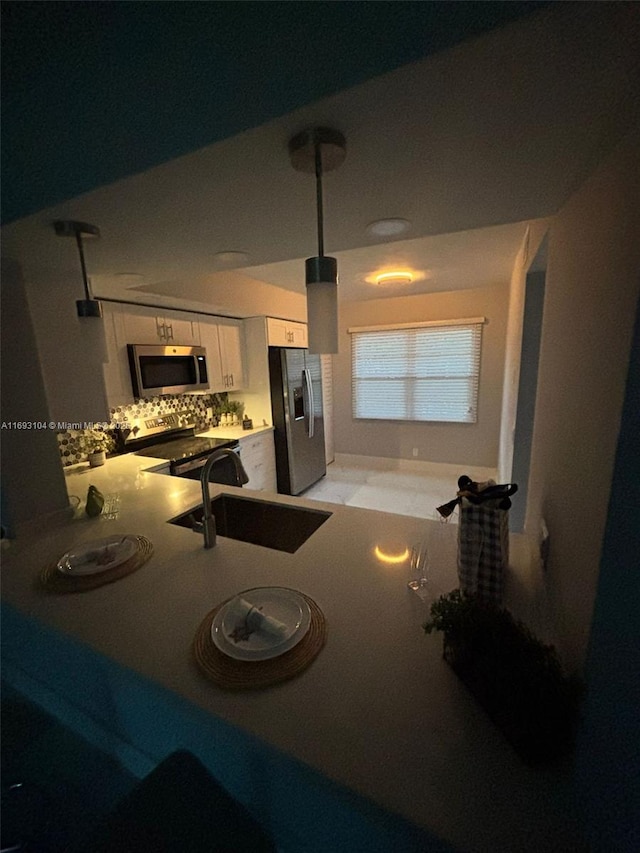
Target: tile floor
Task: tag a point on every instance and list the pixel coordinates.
(401, 486)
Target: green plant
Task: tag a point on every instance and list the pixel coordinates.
(95, 440)
(516, 678)
(236, 407)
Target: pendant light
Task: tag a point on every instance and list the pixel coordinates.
(320, 150)
(87, 307)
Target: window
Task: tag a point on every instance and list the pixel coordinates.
(417, 371)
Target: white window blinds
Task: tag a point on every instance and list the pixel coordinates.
(421, 372)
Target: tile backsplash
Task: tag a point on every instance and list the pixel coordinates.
(70, 441)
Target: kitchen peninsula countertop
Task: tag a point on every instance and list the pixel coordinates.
(378, 711)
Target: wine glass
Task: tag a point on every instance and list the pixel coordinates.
(419, 564)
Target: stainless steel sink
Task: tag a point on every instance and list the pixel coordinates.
(272, 525)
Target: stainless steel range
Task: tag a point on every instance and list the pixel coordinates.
(172, 436)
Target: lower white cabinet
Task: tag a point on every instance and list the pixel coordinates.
(258, 456)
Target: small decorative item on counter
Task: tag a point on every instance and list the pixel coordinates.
(236, 408)
(95, 502)
(483, 536)
(96, 443)
(248, 618)
(247, 423)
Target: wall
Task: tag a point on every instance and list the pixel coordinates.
(592, 286)
(515, 319)
(609, 739)
(32, 479)
(471, 444)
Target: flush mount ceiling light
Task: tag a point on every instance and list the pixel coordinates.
(388, 227)
(231, 258)
(87, 307)
(393, 278)
(320, 150)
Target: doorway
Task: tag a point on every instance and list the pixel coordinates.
(528, 383)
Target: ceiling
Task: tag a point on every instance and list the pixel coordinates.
(469, 145)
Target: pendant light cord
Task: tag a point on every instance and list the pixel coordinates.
(83, 265)
(319, 198)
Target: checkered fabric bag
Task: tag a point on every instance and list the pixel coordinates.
(483, 549)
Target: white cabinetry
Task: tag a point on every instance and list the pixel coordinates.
(286, 333)
(143, 325)
(224, 341)
(117, 376)
(258, 456)
(231, 340)
(136, 324)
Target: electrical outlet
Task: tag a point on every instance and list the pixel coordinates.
(209, 414)
(415, 451)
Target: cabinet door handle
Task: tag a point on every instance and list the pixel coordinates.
(169, 332)
(161, 329)
(231, 378)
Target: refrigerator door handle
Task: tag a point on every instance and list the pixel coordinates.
(307, 379)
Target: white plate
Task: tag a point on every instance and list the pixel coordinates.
(97, 556)
(285, 605)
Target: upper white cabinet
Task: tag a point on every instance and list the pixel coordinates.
(231, 340)
(286, 333)
(223, 340)
(135, 324)
(143, 325)
(117, 376)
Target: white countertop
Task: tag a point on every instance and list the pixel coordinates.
(378, 711)
(233, 432)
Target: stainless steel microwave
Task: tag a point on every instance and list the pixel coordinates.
(157, 370)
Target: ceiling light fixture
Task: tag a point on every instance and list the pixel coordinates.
(231, 258)
(320, 150)
(388, 227)
(87, 307)
(394, 278)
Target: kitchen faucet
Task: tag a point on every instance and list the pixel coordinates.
(208, 523)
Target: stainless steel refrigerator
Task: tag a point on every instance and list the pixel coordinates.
(296, 404)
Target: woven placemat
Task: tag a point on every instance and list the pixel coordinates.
(234, 674)
(55, 581)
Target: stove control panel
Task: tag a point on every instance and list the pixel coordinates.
(172, 421)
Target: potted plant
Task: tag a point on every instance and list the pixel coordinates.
(516, 678)
(235, 409)
(96, 443)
